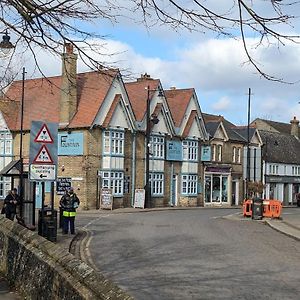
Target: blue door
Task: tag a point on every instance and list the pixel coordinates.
(38, 195)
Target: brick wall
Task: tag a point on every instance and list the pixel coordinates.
(39, 269)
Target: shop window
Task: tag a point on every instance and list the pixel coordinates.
(216, 188)
(189, 184)
(157, 147)
(113, 142)
(157, 184)
(114, 181)
(190, 150)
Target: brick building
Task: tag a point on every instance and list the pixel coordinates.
(101, 139)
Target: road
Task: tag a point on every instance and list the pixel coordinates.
(195, 254)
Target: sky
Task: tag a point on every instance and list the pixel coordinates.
(213, 65)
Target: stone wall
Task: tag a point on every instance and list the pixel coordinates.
(41, 270)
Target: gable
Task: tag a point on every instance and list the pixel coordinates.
(194, 130)
(119, 118)
(3, 125)
(255, 139)
(161, 126)
(220, 133)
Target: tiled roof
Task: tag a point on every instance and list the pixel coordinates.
(137, 94)
(279, 126)
(10, 111)
(178, 100)
(280, 147)
(42, 96)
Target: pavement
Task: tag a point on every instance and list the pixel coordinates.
(288, 224)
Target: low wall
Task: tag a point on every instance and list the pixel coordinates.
(40, 269)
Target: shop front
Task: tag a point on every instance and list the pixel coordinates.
(217, 185)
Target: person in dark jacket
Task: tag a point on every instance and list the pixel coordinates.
(69, 202)
(11, 201)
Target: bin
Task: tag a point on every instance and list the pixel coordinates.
(47, 224)
(257, 208)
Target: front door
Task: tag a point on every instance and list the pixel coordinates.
(174, 190)
(38, 195)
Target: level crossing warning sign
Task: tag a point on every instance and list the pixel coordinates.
(43, 156)
(44, 135)
(43, 151)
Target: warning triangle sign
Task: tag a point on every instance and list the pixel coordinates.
(43, 156)
(44, 135)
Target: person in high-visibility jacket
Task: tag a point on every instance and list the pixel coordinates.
(69, 202)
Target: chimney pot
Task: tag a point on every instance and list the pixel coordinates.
(69, 48)
(295, 127)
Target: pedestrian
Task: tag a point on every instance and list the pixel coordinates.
(69, 202)
(11, 201)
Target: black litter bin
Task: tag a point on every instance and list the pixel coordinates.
(257, 208)
(47, 224)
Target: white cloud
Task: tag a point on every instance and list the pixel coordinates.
(223, 104)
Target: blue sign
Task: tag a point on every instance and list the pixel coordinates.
(205, 153)
(174, 150)
(70, 143)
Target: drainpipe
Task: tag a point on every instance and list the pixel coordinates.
(133, 167)
(171, 183)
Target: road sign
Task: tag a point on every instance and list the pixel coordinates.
(42, 172)
(44, 135)
(43, 156)
(43, 151)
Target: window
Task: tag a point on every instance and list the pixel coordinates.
(115, 181)
(5, 144)
(213, 155)
(239, 155)
(219, 154)
(190, 150)
(157, 147)
(274, 169)
(189, 184)
(234, 154)
(157, 184)
(113, 142)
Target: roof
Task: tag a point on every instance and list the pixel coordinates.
(178, 100)
(212, 123)
(138, 94)
(276, 146)
(42, 97)
(278, 126)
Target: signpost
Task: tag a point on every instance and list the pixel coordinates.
(139, 198)
(43, 167)
(106, 199)
(62, 184)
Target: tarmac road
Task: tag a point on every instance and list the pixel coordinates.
(194, 254)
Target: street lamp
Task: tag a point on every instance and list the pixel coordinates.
(21, 142)
(5, 45)
(149, 119)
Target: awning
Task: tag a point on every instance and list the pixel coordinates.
(12, 169)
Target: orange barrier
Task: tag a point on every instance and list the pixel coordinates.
(247, 208)
(272, 208)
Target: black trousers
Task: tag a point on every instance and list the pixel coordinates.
(69, 222)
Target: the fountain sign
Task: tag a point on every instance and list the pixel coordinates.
(70, 143)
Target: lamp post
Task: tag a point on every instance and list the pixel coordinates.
(248, 144)
(5, 45)
(154, 120)
(21, 142)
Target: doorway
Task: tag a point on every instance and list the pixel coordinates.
(174, 190)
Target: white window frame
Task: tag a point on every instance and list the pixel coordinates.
(189, 184)
(156, 184)
(234, 152)
(114, 180)
(219, 154)
(157, 147)
(113, 142)
(214, 150)
(190, 150)
(239, 151)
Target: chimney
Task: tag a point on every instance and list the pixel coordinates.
(68, 99)
(144, 77)
(294, 127)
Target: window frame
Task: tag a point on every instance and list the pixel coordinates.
(113, 180)
(156, 180)
(189, 184)
(113, 142)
